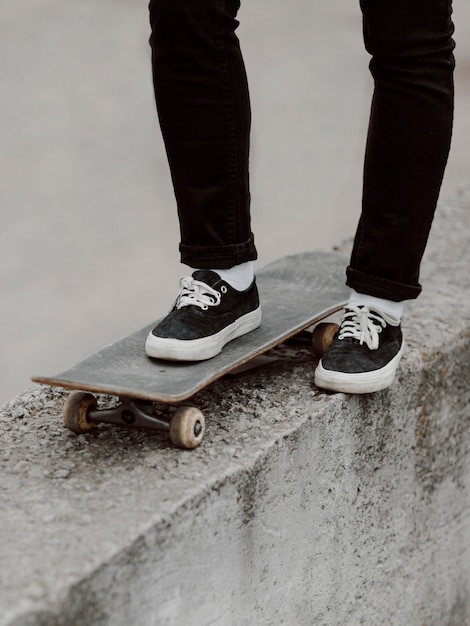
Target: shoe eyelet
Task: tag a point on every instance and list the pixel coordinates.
(204, 307)
(223, 289)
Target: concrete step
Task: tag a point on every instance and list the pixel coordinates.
(300, 507)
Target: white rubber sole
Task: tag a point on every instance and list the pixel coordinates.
(363, 382)
(204, 348)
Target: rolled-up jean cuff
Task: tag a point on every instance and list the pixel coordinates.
(381, 287)
(218, 257)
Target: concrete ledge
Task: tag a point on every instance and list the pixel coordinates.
(300, 507)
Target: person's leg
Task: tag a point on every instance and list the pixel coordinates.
(202, 99)
(408, 141)
(407, 148)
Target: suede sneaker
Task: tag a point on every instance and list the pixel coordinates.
(208, 313)
(364, 355)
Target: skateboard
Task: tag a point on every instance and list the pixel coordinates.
(296, 292)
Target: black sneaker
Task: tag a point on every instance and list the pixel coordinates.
(208, 313)
(364, 355)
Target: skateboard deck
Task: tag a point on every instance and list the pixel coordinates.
(295, 292)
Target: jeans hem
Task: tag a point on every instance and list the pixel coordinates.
(381, 287)
(218, 257)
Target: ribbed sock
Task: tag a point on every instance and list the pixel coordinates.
(239, 277)
(390, 307)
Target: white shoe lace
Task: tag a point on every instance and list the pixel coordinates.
(365, 325)
(196, 293)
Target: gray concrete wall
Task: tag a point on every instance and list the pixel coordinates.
(300, 507)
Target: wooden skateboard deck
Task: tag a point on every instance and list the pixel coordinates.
(295, 292)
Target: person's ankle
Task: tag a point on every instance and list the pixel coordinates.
(381, 305)
(240, 277)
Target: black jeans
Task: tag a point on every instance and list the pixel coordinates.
(204, 110)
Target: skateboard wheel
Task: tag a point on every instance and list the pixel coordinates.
(75, 412)
(187, 427)
(323, 336)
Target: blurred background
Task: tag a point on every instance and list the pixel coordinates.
(88, 234)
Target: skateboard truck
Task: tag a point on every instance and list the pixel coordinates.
(185, 427)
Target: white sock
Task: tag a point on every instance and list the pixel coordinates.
(390, 307)
(239, 277)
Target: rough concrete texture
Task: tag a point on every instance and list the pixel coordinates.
(300, 507)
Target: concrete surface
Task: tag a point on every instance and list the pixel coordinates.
(299, 508)
(88, 241)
